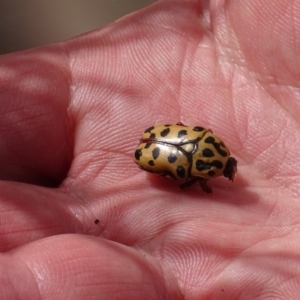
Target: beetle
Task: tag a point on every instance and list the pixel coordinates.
(187, 153)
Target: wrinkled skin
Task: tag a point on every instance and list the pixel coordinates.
(71, 117)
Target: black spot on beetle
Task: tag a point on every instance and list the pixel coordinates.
(137, 154)
(172, 158)
(147, 145)
(155, 152)
(152, 136)
(201, 165)
(198, 128)
(211, 140)
(207, 152)
(180, 171)
(167, 125)
(182, 133)
(218, 164)
(165, 132)
(151, 163)
(148, 130)
(211, 173)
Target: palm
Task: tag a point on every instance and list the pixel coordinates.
(133, 74)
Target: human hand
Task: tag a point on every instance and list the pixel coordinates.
(72, 113)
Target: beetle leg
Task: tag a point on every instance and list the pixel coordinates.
(204, 186)
(180, 124)
(201, 181)
(188, 183)
(167, 175)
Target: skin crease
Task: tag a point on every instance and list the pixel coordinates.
(71, 116)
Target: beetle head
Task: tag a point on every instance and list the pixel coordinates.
(231, 168)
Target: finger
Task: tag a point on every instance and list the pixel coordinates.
(81, 267)
(35, 129)
(30, 212)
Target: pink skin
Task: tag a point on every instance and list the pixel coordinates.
(231, 66)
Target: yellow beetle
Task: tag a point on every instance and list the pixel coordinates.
(185, 153)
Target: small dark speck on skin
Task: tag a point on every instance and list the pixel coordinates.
(96, 221)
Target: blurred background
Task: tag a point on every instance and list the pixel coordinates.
(29, 23)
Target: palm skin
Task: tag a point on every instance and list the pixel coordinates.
(74, 112)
